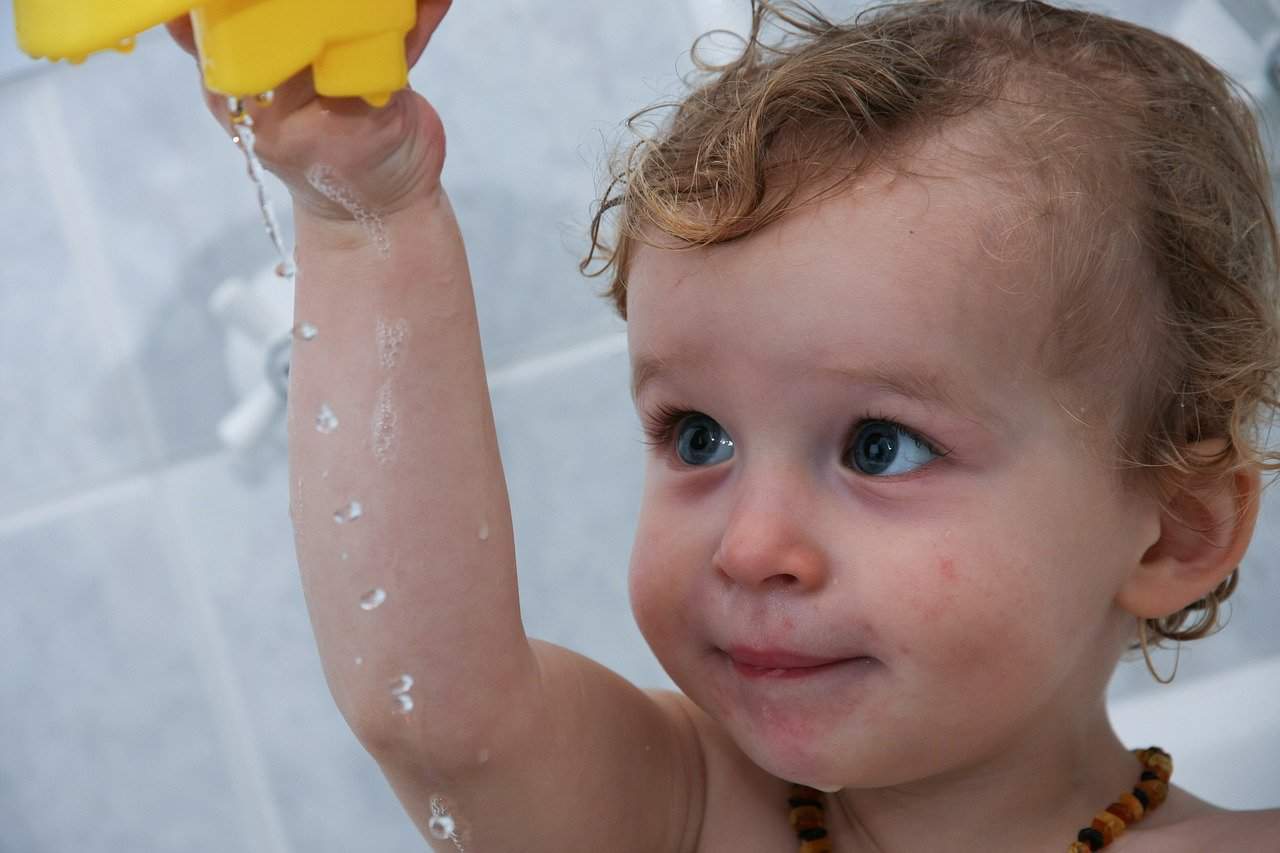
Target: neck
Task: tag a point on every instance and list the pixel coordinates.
(1031, 796)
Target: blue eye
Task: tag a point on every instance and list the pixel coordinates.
(698, 440)
(881, 445)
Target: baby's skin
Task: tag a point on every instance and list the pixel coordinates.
(853, 463)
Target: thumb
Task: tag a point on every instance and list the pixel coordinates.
(180, 29)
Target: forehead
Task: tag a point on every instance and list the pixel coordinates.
(905, 277)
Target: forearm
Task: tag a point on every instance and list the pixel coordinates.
(396, 357)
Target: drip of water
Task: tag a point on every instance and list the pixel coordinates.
(306, 331)
(242, 124)
(326, 420)
(350, 512)
(265, 98)
(344, 555)
(359, 661)
(400, 692)
(442, 825)
(374, 597)
(484, 531)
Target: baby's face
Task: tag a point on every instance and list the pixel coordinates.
(871, 469)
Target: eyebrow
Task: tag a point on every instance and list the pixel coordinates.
(917, 383)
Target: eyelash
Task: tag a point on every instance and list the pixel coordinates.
(661, 423)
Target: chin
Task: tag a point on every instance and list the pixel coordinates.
(826, 788)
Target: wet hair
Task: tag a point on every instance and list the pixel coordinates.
(1122, 158)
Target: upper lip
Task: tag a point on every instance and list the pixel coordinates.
(777, 658)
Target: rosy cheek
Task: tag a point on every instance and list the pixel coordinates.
(934, 597)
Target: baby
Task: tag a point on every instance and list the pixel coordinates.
(952, 329)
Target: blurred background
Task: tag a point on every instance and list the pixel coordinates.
(161, 690)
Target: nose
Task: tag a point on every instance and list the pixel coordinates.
(770, 540)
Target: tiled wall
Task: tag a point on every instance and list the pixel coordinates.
(160, 687)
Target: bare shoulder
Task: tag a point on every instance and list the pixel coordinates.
(1188, 824)
(1248, 832)
(741, 808)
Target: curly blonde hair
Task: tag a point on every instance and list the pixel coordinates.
(1137, 163)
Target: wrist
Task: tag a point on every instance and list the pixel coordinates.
(357, 229)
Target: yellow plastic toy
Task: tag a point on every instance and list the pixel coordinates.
(246, 47)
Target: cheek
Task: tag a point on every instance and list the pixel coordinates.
(643, 588)
(965, 606)
(656, 577)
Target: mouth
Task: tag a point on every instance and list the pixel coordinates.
(780, 664)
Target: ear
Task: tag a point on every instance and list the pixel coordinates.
(1203, 537)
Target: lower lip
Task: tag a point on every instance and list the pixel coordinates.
(758, 672)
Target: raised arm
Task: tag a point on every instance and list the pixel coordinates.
(418, 579)
(512, 743)
(491, 741)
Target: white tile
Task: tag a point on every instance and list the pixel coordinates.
(177, 214)
(1220, 731)
(110, 739)
(327, 792)
(573, 455)
(531, 95)
(68, 397)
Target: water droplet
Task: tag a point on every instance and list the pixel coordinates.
(306, 331)
(373, 598)
(441, 826)
(126, 45)
(324, 475)
(265, 98)
(400, 692)
(484, 531)
(326, 421)
(344, 555)
(350, 512)
(482, 756)
(359, 661)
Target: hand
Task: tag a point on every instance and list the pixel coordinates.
(383, 158)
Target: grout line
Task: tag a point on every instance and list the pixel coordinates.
(91, 266)
(89, 494)
(81, 502)
(566, 359)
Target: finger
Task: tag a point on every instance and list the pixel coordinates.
(180, 29)
(430, 14)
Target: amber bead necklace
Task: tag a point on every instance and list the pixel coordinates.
(1152, 789)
